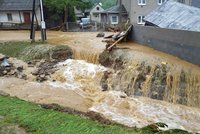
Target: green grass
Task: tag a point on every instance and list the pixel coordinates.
(37, 120)
(28, 52)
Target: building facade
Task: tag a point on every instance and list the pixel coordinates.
(138, 9)
(18, 12)
(95, 13)
(111, 16)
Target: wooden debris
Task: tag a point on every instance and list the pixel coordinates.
(119, 37)
(109, 36)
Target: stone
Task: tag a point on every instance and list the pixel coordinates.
(20, 68)
(2, 93)
(5, 63)
(101, 34)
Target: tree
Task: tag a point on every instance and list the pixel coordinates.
(67, 6)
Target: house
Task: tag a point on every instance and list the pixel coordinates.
(138, 9)
(174, 15)
(81, 14)
(111, 16)
(17, 13)
(95, 13)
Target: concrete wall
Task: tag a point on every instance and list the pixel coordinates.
(183, 44)
(134, 10)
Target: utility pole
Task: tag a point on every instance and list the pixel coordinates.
(32, 35)
(43, 25)
(120, 12)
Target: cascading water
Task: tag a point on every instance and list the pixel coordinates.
(140, 74)
(88, 56)
(159, 82)
(76, 84)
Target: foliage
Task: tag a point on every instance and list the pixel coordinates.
(67, 6)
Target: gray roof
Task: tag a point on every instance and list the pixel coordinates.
(17, 5)
(196, 3)
(116, 9)
(174, 15)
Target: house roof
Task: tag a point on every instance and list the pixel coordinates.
(174, 15)
(17, 5)
(116, 9)
(196, 3)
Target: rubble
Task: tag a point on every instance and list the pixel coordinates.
(8, 69)
(44, 70)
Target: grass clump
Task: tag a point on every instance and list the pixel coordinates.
(28, 52)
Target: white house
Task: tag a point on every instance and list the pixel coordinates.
(95, 13)
(18, 13)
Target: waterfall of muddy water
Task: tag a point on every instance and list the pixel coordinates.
(89, 56)
(158, 78)
(76, 84)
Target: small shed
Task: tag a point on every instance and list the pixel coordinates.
(174, 15)
(111, 16)
(14, 13)
(95, 13)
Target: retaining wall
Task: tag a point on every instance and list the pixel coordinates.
(180, 43)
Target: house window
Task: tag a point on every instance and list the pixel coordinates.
(114, 19)
(160, 2)
(141, 20)
(97, 8)
(181, 1)
(9, 16)
(141, 2)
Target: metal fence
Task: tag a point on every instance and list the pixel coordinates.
(15, 26)
(75, 27)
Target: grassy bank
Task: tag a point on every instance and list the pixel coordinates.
(27, 51)
(37, 120)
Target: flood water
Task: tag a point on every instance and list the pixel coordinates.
(76, 84)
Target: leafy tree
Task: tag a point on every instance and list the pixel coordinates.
(67, 6)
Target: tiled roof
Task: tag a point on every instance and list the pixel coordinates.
(17, 5)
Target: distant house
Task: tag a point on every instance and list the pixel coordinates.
(138, 9)
(17, 13)
(95, 13)
(81, 14)
(174, 15)
(111, 16)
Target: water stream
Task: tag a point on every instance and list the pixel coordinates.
(136, 91)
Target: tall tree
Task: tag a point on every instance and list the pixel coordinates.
(67, 6)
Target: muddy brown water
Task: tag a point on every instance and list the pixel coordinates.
(77, 84)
